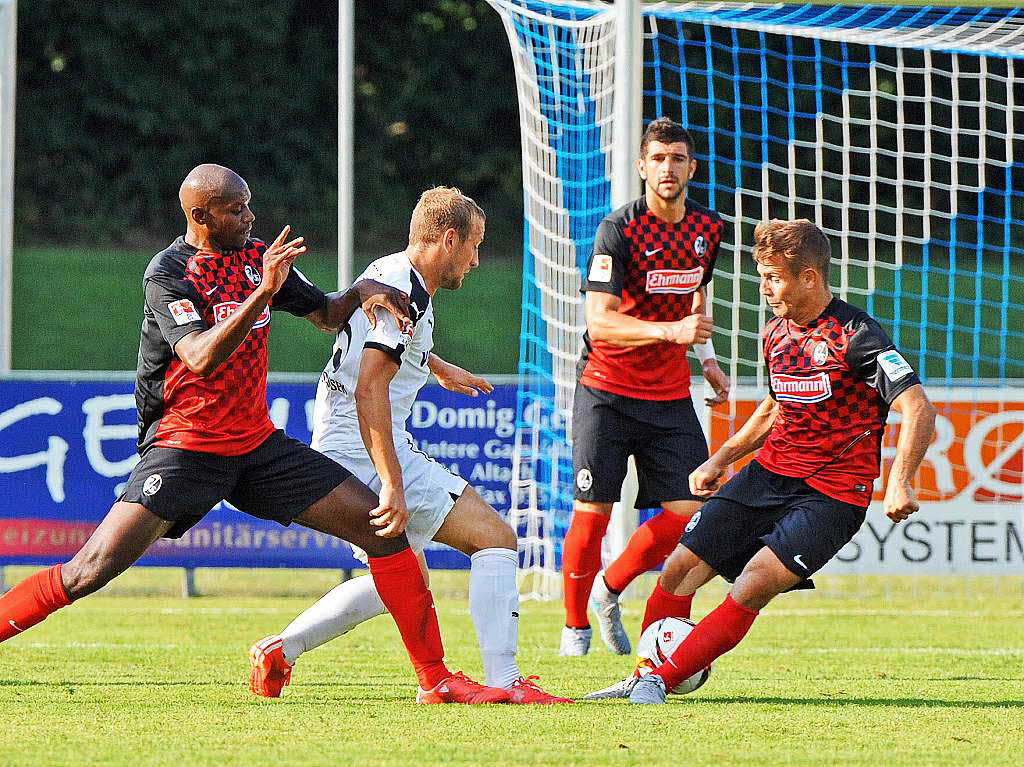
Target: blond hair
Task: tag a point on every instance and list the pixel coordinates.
(798, 244)
(440, 209)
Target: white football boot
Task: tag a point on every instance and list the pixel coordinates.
(605, 605)
(575, 641)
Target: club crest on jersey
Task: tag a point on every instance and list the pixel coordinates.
(584, 480)
(222, 311)
(803, 389)
(674, 280)
(820, 353)
(252, 274)
(700, 246)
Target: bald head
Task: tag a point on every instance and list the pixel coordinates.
(207, 183)
(215, 200)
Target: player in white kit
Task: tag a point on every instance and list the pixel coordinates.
(363, 401)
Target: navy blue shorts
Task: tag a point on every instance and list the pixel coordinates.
(664, 437)
(802, 526)
(277, 480)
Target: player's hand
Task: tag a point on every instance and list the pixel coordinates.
(718, 381)
(693, 329)
(707, 478)
(900, 501)
(375, 295)
(391, 514)
(278, 258)
(454, 378)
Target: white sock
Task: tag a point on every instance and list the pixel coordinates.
(494, 605)
(339, 611)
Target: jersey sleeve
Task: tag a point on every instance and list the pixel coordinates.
(386, 336)
(713, 245)
(607, 264)
(874, 358)
(298, 295)
(176, 306)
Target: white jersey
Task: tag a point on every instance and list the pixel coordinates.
(335, 423)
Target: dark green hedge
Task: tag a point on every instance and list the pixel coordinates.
(116, 102)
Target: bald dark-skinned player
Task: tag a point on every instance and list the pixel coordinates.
(205, 432)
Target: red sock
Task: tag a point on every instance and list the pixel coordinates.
(720, 631)
(648, 547)
(581, 559)
(400, 584)
(31, 601)
(664, 604)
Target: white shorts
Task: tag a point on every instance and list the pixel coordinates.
(431, 490)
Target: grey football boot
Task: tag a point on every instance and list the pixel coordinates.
(575, 641)
(605, 605)
(620, 689)
(648, 689)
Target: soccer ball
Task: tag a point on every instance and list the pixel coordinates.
(656, 646)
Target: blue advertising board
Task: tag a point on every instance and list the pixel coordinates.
(67, 445)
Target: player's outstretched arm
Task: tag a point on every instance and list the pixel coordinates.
(707, 478)
(206, 350)
(916, 429)
(369, 294)
(606, 323)
(454, 378)
(373, 408)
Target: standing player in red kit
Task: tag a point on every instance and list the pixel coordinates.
(833, 376)
(645, 303)
(205, 432)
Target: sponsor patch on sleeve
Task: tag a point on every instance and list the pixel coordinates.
(601, 268)
(183, 311)
(893, 365)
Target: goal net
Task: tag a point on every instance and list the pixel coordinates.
(899, 130)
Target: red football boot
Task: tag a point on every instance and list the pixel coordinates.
(526, 690)
(459, 688)
(269, 670)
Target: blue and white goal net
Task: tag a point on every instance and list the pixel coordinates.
(899, 130)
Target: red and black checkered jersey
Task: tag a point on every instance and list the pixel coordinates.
(655, 267)
(834, 381)
(189, 290)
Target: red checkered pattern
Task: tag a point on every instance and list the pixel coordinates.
(225, 412)
(657, 371)
(823, 441)
(658, 245)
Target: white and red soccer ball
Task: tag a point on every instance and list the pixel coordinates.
(656, 646)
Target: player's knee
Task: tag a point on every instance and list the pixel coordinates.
(505, 538)
(375, 546)
(678, 565)
(757, 585)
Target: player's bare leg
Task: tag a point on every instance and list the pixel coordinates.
(762, 579)
(117, 543)
(581, 562)
(477, 530)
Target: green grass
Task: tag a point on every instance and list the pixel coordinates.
(868, 671)
(81, 309)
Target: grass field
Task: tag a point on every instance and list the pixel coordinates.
(86, 313)
(868, 671)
